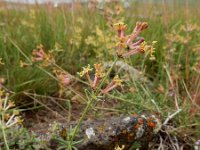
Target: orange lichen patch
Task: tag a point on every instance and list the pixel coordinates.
(151, 124)
(136, 126)
(141, 121)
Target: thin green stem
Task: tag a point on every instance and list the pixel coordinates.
(21, 51)
(90, 102)
(3, 131)
(106, 76)
(81, 119)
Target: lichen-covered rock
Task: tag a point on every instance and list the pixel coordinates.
(118, 131)
(112, 132)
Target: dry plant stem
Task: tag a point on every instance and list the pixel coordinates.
(176, 101)
(190, 97)
(172, 84)
(8, 90)
(38, 101)
(171, 116)
(49, 97)
(173, 144)
(187, 61)
(176, 97)
(91, 100)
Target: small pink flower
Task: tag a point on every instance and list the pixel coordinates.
(99, 74)
(137, 30)
(120, 27)
(109, 87)
(134, 45)
(132, 52)
(96, 82)
(63, 78)
(114, 83)
(38, 55)
(128, 42)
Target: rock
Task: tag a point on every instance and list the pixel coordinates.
(116, 131)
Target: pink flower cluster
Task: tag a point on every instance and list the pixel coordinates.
(113, 84)
(64, 79)
(39, 55)
(129, 42)
(99, 75)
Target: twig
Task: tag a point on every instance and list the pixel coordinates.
(161, 144)
(38, 101)
(172, 145)
(171, 116)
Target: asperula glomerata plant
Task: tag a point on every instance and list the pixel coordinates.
(128, 45)
(124, 43)
(99, 75)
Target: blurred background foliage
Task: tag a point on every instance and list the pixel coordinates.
(81, 34)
